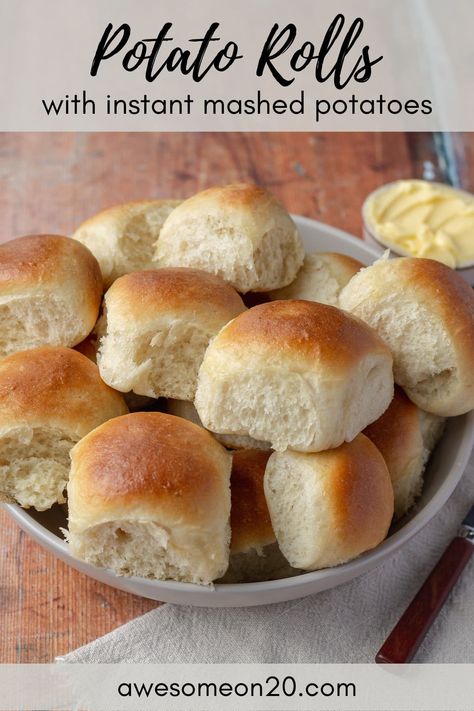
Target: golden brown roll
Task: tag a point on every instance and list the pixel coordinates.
(329, 507)
(122, 237)
(50, 292)
(254, 552)
(424, 311)
(156, 327)
(321, 278)
(239, 232)
(405, 435)
(149, 496)
(88, 347)
(49, 399)
(296, 374)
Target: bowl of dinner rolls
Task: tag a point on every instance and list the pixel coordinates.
(212, 402)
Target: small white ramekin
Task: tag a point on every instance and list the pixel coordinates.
(372, 238)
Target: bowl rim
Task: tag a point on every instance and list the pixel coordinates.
(303, 582)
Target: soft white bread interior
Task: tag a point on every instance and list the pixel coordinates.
(329, 507)
(424, 311)
(156, 327)
(405, 435)
(122, 237)
(88, 347)
(254, 552)
(50, 292)
(149, 495)
(49, 399)
(321, 278)
(186, 409)
(432, 427)
(239, 232)
(297, 374)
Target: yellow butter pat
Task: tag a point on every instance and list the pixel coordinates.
(422, 219)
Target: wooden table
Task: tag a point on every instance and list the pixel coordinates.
(51, 182)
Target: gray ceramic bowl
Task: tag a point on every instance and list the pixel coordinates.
(444, 471)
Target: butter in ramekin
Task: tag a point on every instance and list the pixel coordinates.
(422, 219)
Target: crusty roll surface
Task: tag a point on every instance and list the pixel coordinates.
(49, 399)
(254, 552)
(88, 347)
(149, 495)
(321, 278)
(156, 327)
(239, 232)
(405, 435)
(297, 374)
(424, 311)
(122, 237)
(250, 521)
(186, 409)
(50, 292)
(329, 507)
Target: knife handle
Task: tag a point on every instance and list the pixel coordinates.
(407, 635)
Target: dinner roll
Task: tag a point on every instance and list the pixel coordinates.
(49, 399)
(254, 552)
(122, 238)
(239, 232)
(134, 402)
(424, 311)
(50, 292)
(329, 507)
(296, 374)
(156, 327)
(88, 347)
(149, 495)
(405, 435)
(321, 278)
(183, 408)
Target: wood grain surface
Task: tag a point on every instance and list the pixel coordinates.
(51, 182)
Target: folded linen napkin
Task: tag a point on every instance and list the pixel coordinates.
(345, 624)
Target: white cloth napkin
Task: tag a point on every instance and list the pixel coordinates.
(345, 624)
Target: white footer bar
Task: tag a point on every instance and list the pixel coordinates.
(349, 687)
